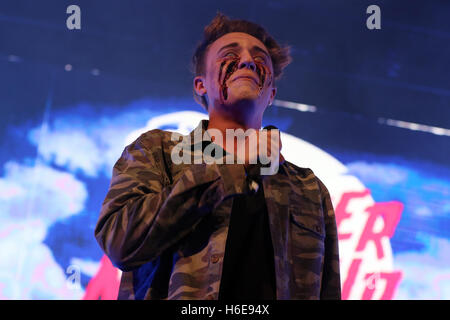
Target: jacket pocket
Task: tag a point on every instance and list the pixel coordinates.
(307, 249)
(309, 222)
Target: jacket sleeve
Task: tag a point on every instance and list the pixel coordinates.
(142, 215)
(331, 282)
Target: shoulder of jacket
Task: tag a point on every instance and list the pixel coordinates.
(300, 172)
(156, 138)
(307, 174)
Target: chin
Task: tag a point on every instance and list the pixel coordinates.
(243, 107)
(243, 103)
(242, 97)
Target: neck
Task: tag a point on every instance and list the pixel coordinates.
(224, 121)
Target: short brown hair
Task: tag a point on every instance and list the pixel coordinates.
(221, 25)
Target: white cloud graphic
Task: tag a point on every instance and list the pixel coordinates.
(430, 266)
(31, 199)
(87, 145)
(378, 173)
(70, 148)
(39, 191)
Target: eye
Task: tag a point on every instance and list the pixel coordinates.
(260, 59)
(230, 55)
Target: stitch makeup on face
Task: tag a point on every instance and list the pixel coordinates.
(261, 69)
(230, 69)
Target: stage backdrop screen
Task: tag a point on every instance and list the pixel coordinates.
(367, 112)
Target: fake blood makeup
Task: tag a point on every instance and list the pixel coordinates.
(229, 66)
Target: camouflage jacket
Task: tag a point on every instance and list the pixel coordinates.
(165, 225)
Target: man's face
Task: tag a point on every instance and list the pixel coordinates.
(239, 74)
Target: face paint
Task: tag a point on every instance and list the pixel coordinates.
(263, 72)
(232, 66)
(261, 69)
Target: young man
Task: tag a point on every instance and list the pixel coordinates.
(221, 230)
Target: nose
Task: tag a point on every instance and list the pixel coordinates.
(247, 62)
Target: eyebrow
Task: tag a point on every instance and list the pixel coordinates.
(235, 45)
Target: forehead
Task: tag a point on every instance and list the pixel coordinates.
(243, 39)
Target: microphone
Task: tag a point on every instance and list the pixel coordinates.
(270, 127)
(253, 170)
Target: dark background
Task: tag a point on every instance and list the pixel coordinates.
(143, 48)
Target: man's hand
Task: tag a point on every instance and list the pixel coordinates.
(260, 147)
(267, 149)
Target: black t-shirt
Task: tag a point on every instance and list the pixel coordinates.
(248, 270)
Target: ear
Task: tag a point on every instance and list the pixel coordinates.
(199, 85)
(272, 95)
